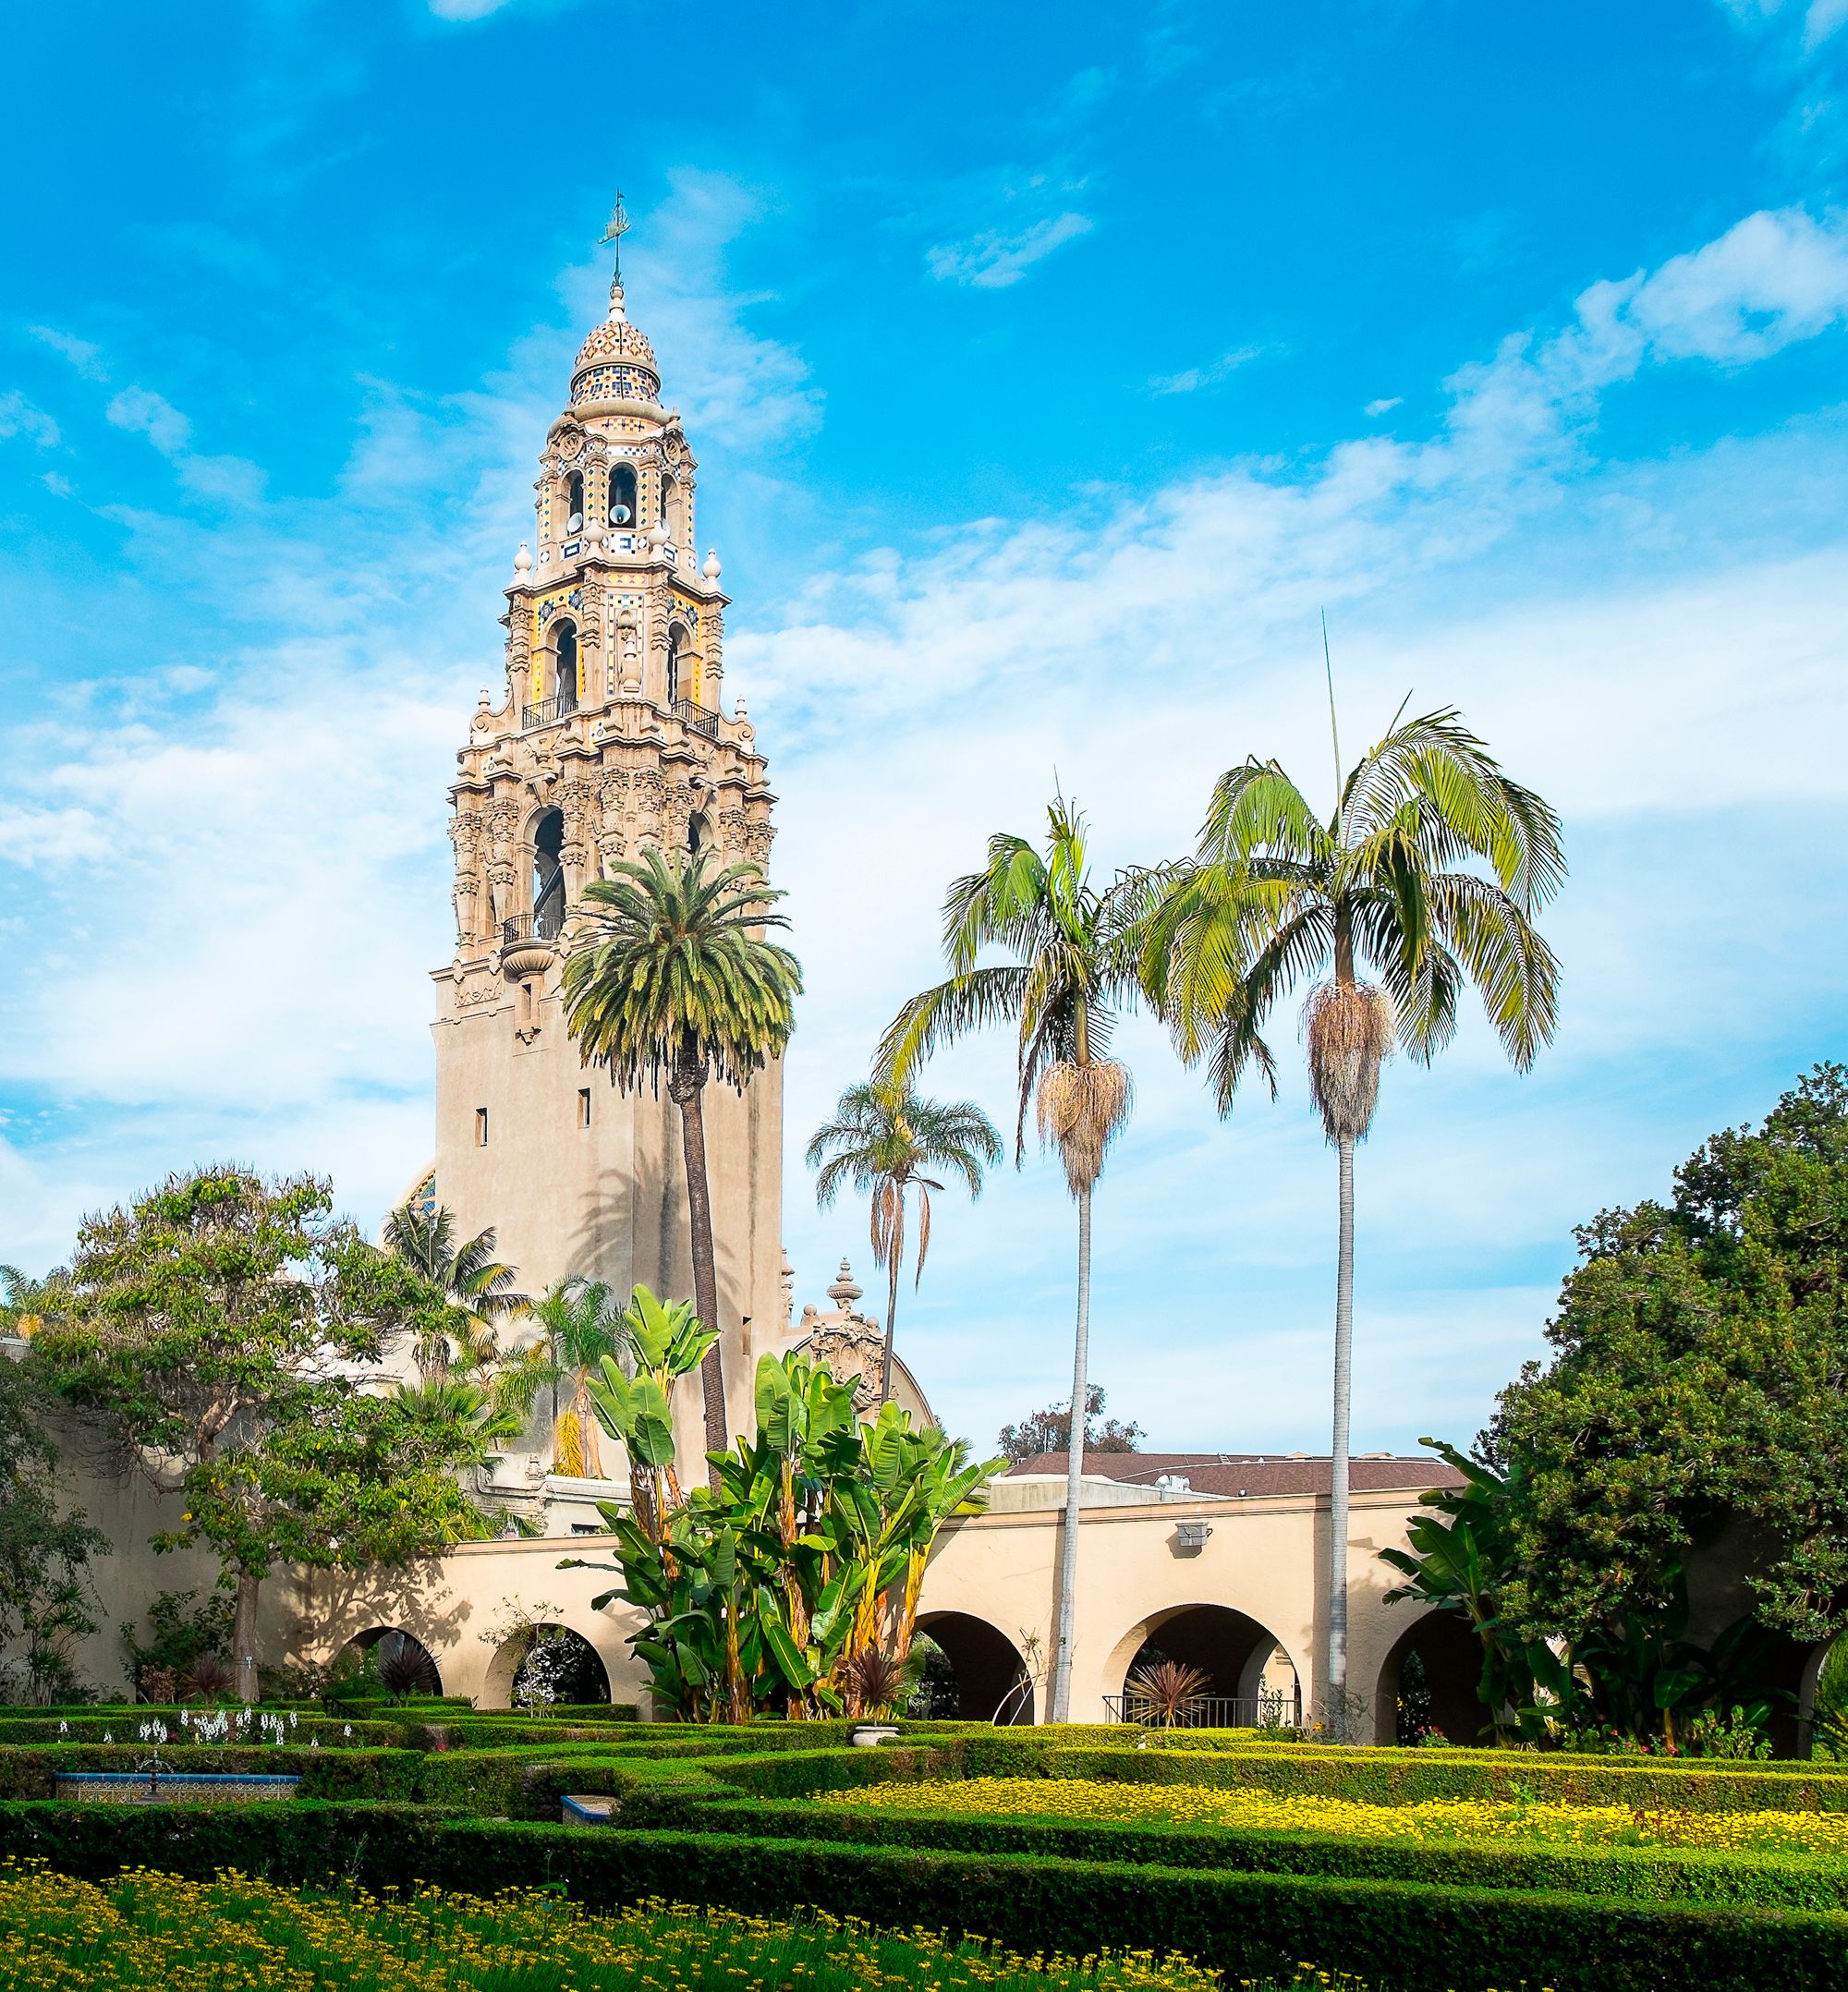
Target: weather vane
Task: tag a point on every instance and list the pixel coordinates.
(619, 226)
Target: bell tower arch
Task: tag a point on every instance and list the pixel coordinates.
(611, 735)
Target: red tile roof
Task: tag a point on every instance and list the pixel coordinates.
(1254, 1473)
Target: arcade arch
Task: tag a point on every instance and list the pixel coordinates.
(1434, 1665)
(404, 1664)
(992, 1677)
(556, 1659)
(1249, 1675)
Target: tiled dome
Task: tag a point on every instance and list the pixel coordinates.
(615, 362)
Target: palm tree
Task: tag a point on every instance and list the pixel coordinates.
(883, 1138)
(1389, 884)
(471, 1293)
(581, 1322)
(1074, 967)
(670, 975)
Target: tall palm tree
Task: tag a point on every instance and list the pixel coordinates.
(883, 1138)
(581, 1322)
(1428, 875)
(670, 975)
(1075, 967)
(472, 1292)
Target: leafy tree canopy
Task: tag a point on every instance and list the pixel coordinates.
(1051, 1430)
(1701, 1353)
(228, 1335)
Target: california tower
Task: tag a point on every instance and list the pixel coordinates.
(612, 736)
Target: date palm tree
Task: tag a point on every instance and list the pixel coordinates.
(581, 1324)
(1074, 969)
(472, 1292)
(1428, 876)
(883, 1138)
(670, 976)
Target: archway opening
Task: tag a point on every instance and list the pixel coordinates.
(981, 1675)
(565, 668)
(623, 496)
(1428, 1684)
(574, 502)
(676, 646)
(388, 1660)
(548, 875)
(1238, 1674)
(545, 1666)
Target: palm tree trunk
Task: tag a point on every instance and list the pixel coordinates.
(244, 1639)
(705, 1273)
(891, 1324)
(1334, 1710)
(1075, 1468)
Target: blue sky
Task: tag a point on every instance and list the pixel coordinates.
(1050, 369)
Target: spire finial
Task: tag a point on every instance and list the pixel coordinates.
(619, 225)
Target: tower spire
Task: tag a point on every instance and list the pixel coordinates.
(619, 225)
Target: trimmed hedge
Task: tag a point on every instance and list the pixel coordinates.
(1403, 1777)
(31, 1773)
(1761, 1881)
(1415, 1939)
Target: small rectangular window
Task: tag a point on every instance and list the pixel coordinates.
(583, 1106)
(480, 1127)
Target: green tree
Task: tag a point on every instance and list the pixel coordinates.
(883, 1138)
(223, 1327)
(45, 1593)
(670, 976)
(1050, 1430)
(771, 1589)
(666, 1341)
(1697, 1390)
(1073, 967)
(470, 1295)
(582, 1326)
(1427, 875)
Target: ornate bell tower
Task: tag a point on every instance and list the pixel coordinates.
(612, 737)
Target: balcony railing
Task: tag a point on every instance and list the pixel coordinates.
(545, 925)
(696, 718)
(1212, 1711)
(545, 711)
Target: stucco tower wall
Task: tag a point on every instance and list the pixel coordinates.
(608, 1199)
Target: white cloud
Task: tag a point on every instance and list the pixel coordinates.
(142, 412)
(1384, 405)
(995, 259)
(87, 358)
(228, 480)
(1190, 379)
(1820, 18)
(466, 9)
(19, 417)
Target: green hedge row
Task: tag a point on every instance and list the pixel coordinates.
(1644, 1874)
(1409, 1937)
(1403, 1777)
(349, 1775)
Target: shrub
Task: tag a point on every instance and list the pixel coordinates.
(1431, 1939)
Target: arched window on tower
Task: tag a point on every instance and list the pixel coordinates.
(574, 502)
(677, 642)
(698, 834)
(565, 674)
(548, 875)
(670, 505)
(621, 496)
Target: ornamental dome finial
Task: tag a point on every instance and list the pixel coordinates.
(615, 363)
